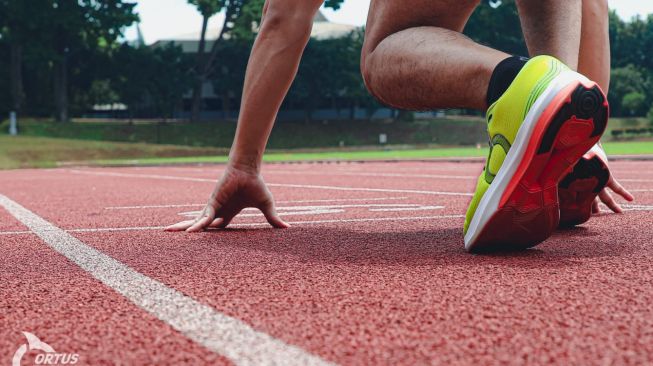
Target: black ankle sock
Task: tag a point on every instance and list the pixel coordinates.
(502, 76)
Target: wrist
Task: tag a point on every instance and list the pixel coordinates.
(246, 163)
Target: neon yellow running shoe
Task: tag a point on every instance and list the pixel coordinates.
(540, 127)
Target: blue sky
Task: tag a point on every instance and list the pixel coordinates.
(161, 19)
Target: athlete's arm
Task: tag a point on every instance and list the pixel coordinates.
(284, 32)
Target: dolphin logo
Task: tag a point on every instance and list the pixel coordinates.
(33, 343)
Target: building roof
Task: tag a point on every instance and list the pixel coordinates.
(322, 29)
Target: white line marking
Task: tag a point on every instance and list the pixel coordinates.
(635, 180)
(193, 214)
(110, 229)
(155, 206)
(629, 207)
(641, 190)
(15, 232)
(302, 208)
(438, 193)
(361, 174)
(203, 324)
(253, 224)
(396, 209)
(292, 201)
(330, 209)
(336, 221)
(335, 188)
(347, 200)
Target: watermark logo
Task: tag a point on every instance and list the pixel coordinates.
(48, 355)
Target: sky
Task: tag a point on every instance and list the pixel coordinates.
(164, 19)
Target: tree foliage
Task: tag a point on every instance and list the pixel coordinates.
(71, 57)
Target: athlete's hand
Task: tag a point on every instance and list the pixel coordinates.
(237, 189)
(606, 197)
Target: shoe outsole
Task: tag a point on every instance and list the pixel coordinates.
(578, 190)
(528, 212)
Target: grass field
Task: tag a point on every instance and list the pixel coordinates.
(286, 135)
(40, 152)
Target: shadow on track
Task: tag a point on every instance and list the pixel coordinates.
(395, 246)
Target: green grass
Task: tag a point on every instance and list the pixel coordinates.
(613, 148)
(286, 135)
(629, 148)
(39, 152)
(444, 152)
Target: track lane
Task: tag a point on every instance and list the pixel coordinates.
(45, 294)
(384, 292)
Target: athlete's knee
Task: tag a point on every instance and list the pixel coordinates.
(370, 71)
(289, 16)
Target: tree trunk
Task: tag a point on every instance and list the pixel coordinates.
(196, 103)
(16, 70)
(61, 88)
(226, 105)
(206, 68)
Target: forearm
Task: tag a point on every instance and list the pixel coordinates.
(272, 67)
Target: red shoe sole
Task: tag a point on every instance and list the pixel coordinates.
(529, 211)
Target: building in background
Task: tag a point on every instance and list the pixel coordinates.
(213, 103)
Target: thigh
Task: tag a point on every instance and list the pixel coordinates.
(387, 17)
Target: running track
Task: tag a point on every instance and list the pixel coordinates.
(373, 271)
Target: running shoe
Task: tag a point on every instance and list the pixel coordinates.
(580, 187)
(547, 119)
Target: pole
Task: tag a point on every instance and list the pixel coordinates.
(13, 124)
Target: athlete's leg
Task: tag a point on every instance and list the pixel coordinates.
(552, 27)
(415, 57)
(594, 58)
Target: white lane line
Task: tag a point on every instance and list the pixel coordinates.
(630, 207)
(292, 201)
(641, 190)
(15, 232)
(218, 332)
(336, 221)
(154, 206)
(361, 174)
(437, 193)
(193, 214)
(302, 208)
(303, 186)
(635, 180)
(347, 200)
(330, 209)
(254, 224)
(396, 209)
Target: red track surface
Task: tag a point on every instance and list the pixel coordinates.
(379, 276)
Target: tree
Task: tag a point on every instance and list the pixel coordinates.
(633, 103)
(247, 23)
(496, 24)
(150, 78)
(70, 29)
(232, 10)
(207, 8)
(229, 72)
(168, 82)
(17, 32)
(627, 80)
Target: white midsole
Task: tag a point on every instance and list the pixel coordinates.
(490, 202)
